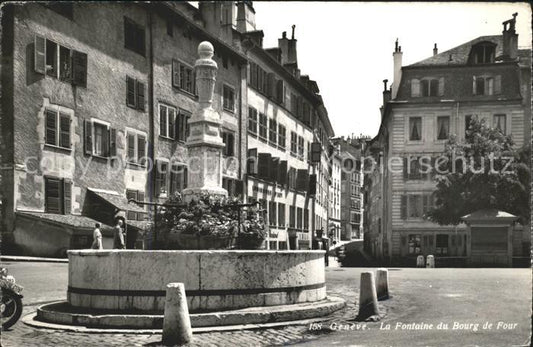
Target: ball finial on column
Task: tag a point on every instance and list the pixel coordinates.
(205, 50)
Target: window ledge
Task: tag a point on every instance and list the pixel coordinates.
(263, 139)
(58, 148)
(185, 92)
(232, 111)
(167, 138)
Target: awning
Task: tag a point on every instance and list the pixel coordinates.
(117, 200)
(489, 215)
(68, 220)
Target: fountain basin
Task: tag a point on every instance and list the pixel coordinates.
(214, 280)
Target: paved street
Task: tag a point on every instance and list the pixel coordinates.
(418, 296)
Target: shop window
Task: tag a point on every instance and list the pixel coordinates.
(413, 244)
(441, 244)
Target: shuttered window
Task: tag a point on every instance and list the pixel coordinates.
(263, 126)
(57, 132)
(281, 215)
(486, 85)
(136, 151)
(415, 87)
(59, 62)
(272, 209)
(135, 93)
(100, 139)
(134, 36)
(228, 98)
(272, 132)
(229, 142)
(57, 195)
(292, 217)
(252, 120)
(301, 148)
(294, 143)
(183, 77)
(282, 137)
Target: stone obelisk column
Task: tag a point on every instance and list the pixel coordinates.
(204, 142)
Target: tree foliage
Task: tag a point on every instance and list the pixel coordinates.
(484, 171)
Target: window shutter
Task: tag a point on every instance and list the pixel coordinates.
(282, 172)
(130, 91)
(279, 91)
(172, 125)
(39, 56)
(88, 130)
(175, 74)
(415, 87)
(51, 128)
(141, 149)
(405, 168)
(112, 142)
(140, 95)
(271, 85)
(312, 185)
(131, 147)
(273, 169)
(497, 84)
(403, 207)
(441, 86)
(302, 180)
(264, 160)
(79, 69)
(67, 196)
(252, 164)
(474, 85)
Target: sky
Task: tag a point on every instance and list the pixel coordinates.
(347, 46)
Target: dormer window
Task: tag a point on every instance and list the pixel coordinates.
(483, 53)
(427, 87)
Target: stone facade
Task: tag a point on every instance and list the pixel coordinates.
(446, 88)
(106, 107)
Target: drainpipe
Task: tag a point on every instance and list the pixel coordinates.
(151, 147)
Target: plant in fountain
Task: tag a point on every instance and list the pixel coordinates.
(209, 222)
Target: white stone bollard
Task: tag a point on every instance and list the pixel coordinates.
(382, 283)
(430, 261)
(368, 301)
(420, 261)
(177, 323)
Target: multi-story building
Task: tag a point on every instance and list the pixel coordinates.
(351, 183)
(88, 109)
(93, 116)
(429, 101)
(335, 226)
(285, 116)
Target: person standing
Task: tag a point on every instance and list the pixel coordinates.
(97, 237)
(118, 239)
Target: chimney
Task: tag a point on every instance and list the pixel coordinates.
(288, 49)
(245, 16)
(397, 57)
(435, 50)
(386, 92)
(510, 39)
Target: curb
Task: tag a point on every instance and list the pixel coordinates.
(57, 314)
(30, 320)
(33, 259)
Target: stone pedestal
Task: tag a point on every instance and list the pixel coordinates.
(204, 142)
